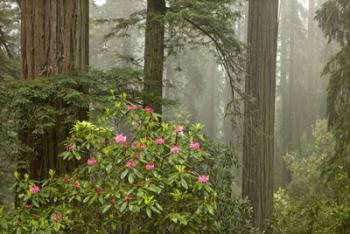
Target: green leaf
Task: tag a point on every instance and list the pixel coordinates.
(124, 174)
(149, 212)
(154, 188)
(109, 169)
(210, 209)
(155, 209)
(123, 207)
(131, 178)
(86, 199)
(106, 208)
(184, 183)
(138, 174)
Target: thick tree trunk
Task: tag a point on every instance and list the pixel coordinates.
(54, 36)
(154, 54)
(54, 41)
(259, 117)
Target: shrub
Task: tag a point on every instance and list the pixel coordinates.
(311, 204)
(151, 178)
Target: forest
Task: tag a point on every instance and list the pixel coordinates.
(175, 116)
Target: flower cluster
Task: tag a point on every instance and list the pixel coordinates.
(154, 173)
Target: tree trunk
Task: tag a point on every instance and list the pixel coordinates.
(54, 41)
(154, 54)
(259, 117)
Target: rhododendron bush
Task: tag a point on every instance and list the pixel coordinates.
(138, 175)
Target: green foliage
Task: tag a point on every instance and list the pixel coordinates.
(233, 214)
(136, 188)
(9, 35)
(33, 108)
(333, 18)
(309, 205)
(37, 105)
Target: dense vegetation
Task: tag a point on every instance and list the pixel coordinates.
(175, 116)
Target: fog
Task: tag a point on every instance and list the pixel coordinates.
(198, 84)
(197, 88)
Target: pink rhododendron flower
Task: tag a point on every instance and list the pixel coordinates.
(142, 146)
(130, 164)
(91, 161)
(160, 141)
(67, 179)
(132, 107)
(76, 185)
(149, 166)
(120, 139)
(57, 217)
(195, 145)
(35, 189)
(27, 205)
(99, 191)
(128, 197)
(179, 129)
(203, 179)
(136, 155)
(69, 147)
(113, 201)
(149, 109)
(175, 149)
(137, 144)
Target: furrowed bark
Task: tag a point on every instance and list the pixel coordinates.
(259, 116)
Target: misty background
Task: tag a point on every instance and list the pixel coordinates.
(199, 86)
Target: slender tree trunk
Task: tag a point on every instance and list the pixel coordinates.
(54, 41)
(154, 54)
(259, 117)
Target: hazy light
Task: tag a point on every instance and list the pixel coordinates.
(100, 2)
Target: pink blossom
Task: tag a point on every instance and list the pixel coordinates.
(57, 217)
(160, 141)
(27, 205)
(132, 107)
(67, 179)
(120, 139)
(69, 147)
(76, 185)
(99, 191)
(175, 149)
(130, 164)
(195, 145)
(137, 144)
(149, 109)
(35, 189)
(142, 146)
(203, 179)
(113, 201)
(91, 161)
(179, 129)
(149, 166)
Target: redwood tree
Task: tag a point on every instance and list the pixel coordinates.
(54, 41)
(259, 116)
(154, 53)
